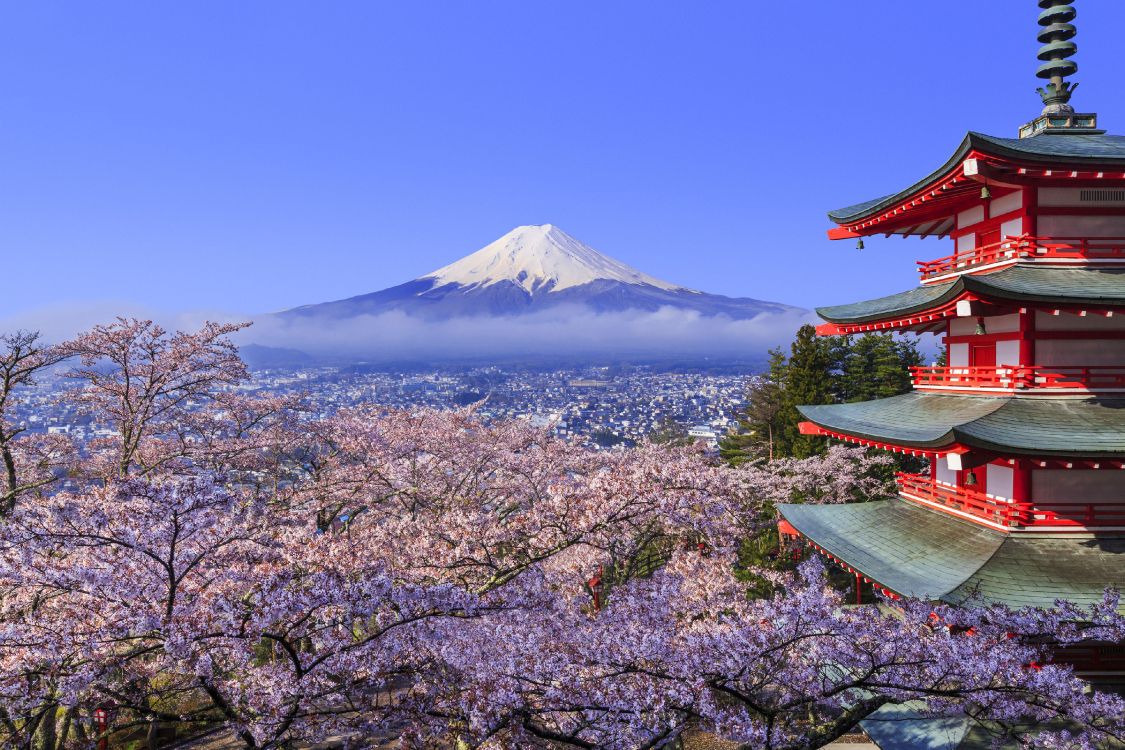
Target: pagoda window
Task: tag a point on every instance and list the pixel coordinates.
(1008, 352)
(1089, 352)
(1065, 225)
(1006, 204)
(943, 474)
(1064, 321)
(969, 217)
(958, 355)
(1000, 481)
(1074, 485)
(966, 242)
(992, 324)
(1056, 197)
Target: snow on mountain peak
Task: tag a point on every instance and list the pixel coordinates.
(538, 258)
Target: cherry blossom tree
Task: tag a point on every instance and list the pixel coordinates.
(30, 463)
(146, 384)
(459, 584)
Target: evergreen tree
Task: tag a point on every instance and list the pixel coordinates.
(670, 432)
(819, 370)
(877, 366)
(760, 422)
(810, 379)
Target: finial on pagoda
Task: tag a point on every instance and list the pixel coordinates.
(1055, 35)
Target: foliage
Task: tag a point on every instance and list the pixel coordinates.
(817, 371)
(761, 424)
(428, 576)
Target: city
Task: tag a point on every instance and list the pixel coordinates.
(598, 407)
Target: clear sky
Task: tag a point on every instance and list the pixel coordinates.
(252, 156)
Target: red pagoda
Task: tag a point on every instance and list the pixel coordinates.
(1024, 422)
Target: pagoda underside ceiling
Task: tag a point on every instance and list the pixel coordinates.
(922, 553)
(1059, 288)
(1048, 427)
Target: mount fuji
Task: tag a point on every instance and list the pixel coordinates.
(535, 295)
(529, 270)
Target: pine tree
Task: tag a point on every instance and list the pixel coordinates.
(759, 424)
(877, 366)
(818, 371)
(810, 379)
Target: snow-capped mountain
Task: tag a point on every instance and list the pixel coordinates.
(529, 269)
(540, 259)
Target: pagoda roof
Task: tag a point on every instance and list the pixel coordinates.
(1090, 287)
(1042, 426)
(926, 554)
(1055, 149)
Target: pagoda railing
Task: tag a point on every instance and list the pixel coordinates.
(1004, 377)
(967, 501)
(1000, 512)
(1023, 247)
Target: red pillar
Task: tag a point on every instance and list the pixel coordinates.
(1021, 489)
(1027, 337)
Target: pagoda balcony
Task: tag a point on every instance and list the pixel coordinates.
(1024, 248)
(1057, 380)
(1008, 514)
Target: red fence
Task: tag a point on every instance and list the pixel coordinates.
(978, 504)
(1012, 249)
(1103, 378)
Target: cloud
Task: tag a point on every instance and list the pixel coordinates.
(558, 331)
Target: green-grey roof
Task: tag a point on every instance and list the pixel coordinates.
(1077, 150)
(927, 554)
(1096, 287)
(872, 538)
(1041, 426)
(1040, 570)
(914, 726)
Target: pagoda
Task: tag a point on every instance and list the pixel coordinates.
(1023, 422)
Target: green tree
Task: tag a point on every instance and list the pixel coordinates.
(876, 365)
(670, 432)
(759, 424)
(819, 370)
(811, 377)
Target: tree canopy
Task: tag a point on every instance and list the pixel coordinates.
(229, 561)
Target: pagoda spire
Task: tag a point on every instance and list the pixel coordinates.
(1056, 35)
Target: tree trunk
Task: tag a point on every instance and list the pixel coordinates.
(152, 737)
(68, 719)
(45, 733)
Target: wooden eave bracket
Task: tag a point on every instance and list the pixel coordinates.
(959, 458)
(842, 233)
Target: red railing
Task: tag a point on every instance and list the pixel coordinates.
(1098, 378)
(1012, 249)
(1004, 513)
(965, 500)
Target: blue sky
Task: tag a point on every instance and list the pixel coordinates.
(252, 156)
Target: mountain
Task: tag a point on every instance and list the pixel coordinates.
(531, 269)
